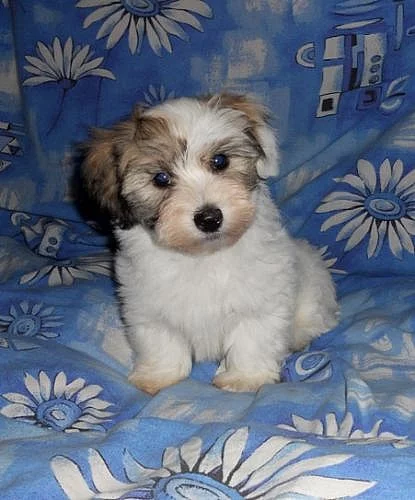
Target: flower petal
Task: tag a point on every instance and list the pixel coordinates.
(354, 181)
(340, 217)
(42, 66)
(132, 36)
(406, 182)
(343, 195)
(67, 57)
(16, 410)
(67, 278)
(70, 478)
(408, 224)
(88, 392)
(373, 240)
(101, 474)
(367, 173)
(394, 242)
(97, 404)
(404, 237)
(331, 206)
(96, 3)
(47, 55)
(108, 25)
(153, 38)
(184, 17)
(38, 80)
(351, 226)
(309, 426)
(213, 457)
(172, 27)
(171, 459)
(59, 385)
(74, 387)
(100, 13)
(297, 469)
(261, 465)
(118, 31)
(397, 171)
(58, 56)
(93, 64)
(15, 397)
(190, 452)
(385, 174)
(32, 385)
(312, 486)
(232, 451)
(197, 6)
(358, 235)
(45, 386)
(103, 73)
(163, 36)
(79, 59)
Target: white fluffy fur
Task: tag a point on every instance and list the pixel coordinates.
(248, 304)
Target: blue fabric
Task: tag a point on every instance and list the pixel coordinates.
(338, 76)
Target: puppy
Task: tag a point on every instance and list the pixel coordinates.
(206, 270)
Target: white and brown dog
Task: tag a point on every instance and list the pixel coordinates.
(206, 269)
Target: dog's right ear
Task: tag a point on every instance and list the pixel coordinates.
(103, 169)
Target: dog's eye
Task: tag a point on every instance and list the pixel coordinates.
(219, 162)
(162, 179)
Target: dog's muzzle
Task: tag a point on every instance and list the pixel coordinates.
(208, 219)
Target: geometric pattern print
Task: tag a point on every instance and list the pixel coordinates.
(380, 205)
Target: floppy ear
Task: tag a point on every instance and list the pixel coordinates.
(103, 169)
(258, 119)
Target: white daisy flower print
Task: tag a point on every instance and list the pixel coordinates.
(155, 20)
(64, 64)
(276, 468)
(25, 321)
(58, 405)
(65, 272)
(376, 206)
(330, 427)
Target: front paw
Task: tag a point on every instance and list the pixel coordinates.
(152, 382)
(239, 381)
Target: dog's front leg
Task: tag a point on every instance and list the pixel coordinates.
(255, 351)
(163, 357)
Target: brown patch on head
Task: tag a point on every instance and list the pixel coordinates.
(257, 129)
(120, 164)
(256, 113)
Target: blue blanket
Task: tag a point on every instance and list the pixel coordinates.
(338, 75)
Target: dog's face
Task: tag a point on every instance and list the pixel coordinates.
(185, 169)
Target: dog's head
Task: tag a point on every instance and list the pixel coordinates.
(185, 169)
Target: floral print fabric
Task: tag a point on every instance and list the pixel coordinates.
(338, 77)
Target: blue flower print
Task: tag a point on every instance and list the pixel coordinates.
(220, 472)
(57, 404)
(379, 206)
(155, 19)
(26, 321)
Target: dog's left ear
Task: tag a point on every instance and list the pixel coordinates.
(259, 128)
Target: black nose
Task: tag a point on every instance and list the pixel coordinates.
(208, 219)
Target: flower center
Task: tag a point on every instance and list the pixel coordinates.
(66, 83)
(58, 413)
(385, 206)
(193, 486)
(25, 325)
(142, 8)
